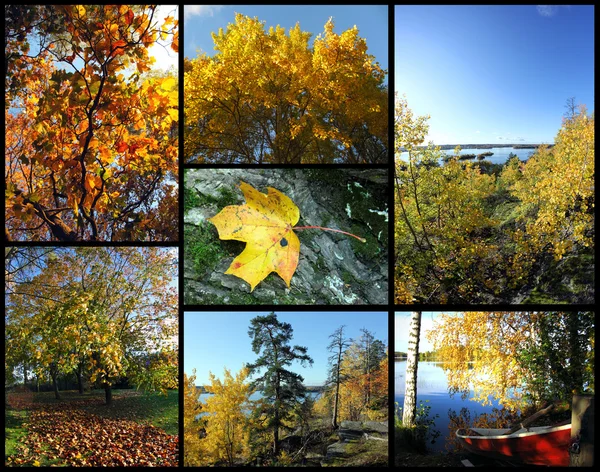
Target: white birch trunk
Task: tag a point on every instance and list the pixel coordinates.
(409, 410)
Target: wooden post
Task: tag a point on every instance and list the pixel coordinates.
(582, 431)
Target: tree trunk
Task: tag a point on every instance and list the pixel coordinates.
(25, 379)
(108, 394)
(80, 378)
(54, 374)
(412, 363)
(336, 399)
(575, 358)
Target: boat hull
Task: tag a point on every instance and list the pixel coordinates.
(538, 446)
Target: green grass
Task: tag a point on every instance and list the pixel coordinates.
(13, 430)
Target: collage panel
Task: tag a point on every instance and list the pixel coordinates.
(91, 356)
(494, 139)
(91, 123)
(286, 84)
(494, 388)
(285, 236)
(285, 388)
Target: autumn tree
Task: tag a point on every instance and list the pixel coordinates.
(90, 140)
(441, 245)
(270, 97)
(486, 344)
(337, 347)
(556, 192)
(409, 410)
(192, 428)
(281, 388)
(226, 420)
(360, 369)
(96, 311)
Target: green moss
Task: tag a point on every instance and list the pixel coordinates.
(202, 247)
(347, 277)
(190, 199)
(370, 249)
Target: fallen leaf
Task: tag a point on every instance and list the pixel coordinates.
(265, 223)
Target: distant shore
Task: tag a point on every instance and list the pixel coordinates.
(446, 147)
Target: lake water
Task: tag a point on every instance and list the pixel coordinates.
(432, 385)
(500, 154)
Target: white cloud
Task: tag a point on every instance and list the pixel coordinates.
(200, 10)
(477, 132)
(164, 55)
(547, 10)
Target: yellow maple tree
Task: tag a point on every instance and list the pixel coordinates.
(268, 97)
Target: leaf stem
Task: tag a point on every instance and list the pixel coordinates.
(363, 240)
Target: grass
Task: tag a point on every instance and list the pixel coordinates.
(13, 430)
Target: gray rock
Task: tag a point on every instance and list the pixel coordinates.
(337, 449)
(333, 269)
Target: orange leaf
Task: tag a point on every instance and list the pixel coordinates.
(121, 146)
(265, 223)
(129, 17)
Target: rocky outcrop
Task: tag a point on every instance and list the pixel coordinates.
(332, 269)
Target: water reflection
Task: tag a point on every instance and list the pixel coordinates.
(432, 385)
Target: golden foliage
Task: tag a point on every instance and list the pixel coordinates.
(267, 97)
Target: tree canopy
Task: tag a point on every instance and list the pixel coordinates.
(91, 147)
(102, 313)
(272, 97)
(517, 357)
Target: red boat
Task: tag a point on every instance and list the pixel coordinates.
(543, 445)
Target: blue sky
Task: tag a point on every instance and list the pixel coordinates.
(371, 21)
(214, 340)
(402, 328)
(494, 74)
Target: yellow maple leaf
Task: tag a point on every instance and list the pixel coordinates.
(265, 223)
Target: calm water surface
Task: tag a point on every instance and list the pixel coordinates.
(500, 154)
(432, 385)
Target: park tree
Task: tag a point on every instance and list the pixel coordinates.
(96, 311)
(269, 97)
(337, 347)
(227, 424)
(90, 137)
(281, 388)
(409, 410)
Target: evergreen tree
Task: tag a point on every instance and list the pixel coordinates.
(282, 389)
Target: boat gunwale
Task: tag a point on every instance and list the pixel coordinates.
(516, 434)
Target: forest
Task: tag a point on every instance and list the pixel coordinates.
(264, 414)
(269, 97)
(91, 133)
(91, 338)
(475, 232)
